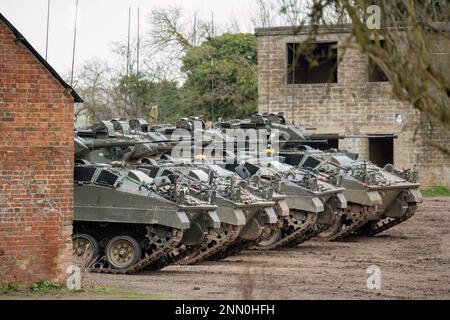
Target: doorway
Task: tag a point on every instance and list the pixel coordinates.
(381, 150)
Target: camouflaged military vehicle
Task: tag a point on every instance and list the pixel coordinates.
(125, 221)
(238, 212)
(286, 135)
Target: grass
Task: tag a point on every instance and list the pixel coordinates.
(8, 288)
(44, 289)
(437, 191)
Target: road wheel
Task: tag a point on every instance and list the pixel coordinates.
(122, 252)
(85, 249)
(273, 238)
(330, 232)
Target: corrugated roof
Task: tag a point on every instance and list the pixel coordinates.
(44, 62)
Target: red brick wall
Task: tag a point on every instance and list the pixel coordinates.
(36, 163)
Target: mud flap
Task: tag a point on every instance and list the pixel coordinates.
(341, 201)
(326, 216)
(281, 208)
(178, 220)
(215, 219)
(270, 215)
(414, 196)
(397, 209)
(235, 217)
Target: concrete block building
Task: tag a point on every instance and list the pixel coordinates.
(36, 163)
(353, 99)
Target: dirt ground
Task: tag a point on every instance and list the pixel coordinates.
(414, 259)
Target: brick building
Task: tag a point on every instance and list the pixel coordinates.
(352, 99)
(36, 163)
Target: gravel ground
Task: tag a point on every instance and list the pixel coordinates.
(413, 258)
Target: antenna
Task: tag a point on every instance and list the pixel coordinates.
(128, 64)
(48, 24)
(294, 53)
(137, 61)
(212, 24)
(194, 33)
(138, 42)
(268, 74)
(212, 75)
(74, 43)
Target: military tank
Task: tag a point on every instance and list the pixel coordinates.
(314, 205)
(148, 144)
(245, 216)
(378, 198)
(132, 222)
(252, 206)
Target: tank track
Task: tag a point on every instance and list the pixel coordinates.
(234, 248)
(170, 258)
(212, 246)
(296, 236)
(374, 227)
(309, 234)
(359, 215)
(240, 244)
(148, 260)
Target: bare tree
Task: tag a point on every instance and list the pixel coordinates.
(168, 32)
(94, 83)
(293, 12)
(234, 25)
(401, 47)
(264, 15)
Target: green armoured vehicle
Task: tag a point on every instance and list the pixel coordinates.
(314, 205)
(131, 221)
(244, 216)
(232, 215)
(378, 198)
(148, 144)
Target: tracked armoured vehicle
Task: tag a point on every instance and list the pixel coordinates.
(378, 199)
(148, 144)
(245, 217)
(314, 205)
(132, 222)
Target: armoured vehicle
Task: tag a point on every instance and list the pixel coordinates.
(314, 205)
(148, 144)
(245, 216)
(378, 198)
(233, 214)
(132, 221)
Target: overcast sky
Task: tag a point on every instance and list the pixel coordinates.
(101, 22)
